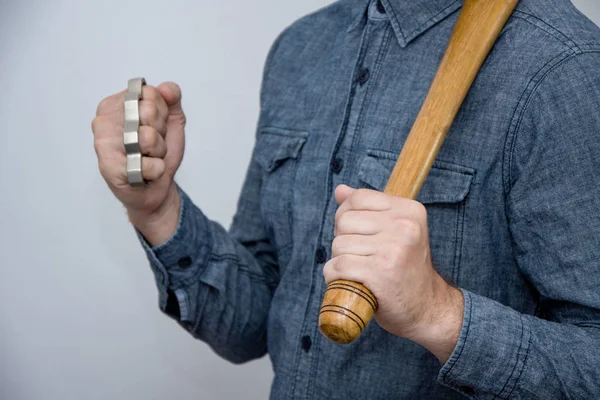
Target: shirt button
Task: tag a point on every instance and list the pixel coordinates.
(467, 390)
(320, 255)
(363, 76)
(185, 262)
(380, 7)
(306, 343)
(336, 165)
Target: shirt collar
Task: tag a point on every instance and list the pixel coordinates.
(410, 18)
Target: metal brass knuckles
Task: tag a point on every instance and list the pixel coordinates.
(131, 127)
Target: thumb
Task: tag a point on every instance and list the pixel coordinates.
(171, 92)
(342, 192)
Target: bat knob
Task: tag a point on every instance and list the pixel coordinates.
(346, 311)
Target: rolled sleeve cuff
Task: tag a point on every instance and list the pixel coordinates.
(179, 261)
(491, 350)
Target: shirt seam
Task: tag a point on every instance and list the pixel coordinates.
(515, 365)
(518, 378)
(407, 37)
(525, 100)
(549, 29)
(196, 276)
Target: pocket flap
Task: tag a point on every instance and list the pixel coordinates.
(446, 182)
(275, 145)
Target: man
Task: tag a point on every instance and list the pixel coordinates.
(508, 215)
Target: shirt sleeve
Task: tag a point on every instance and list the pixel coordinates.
(219, 284)
(553, 208)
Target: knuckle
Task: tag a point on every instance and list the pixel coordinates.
(337, 246)
(105, 105)
(100, 146)
(150, 167)
(338, 215)
(149, 92)
(97, 146)
(153, 111)
(149, 139)
(419, 210)
(328, 271)
(334, 264)
(412, 228)
(95, 126)
(104, 169)
(341, 262)
(411, 231)
(341, 222)
(105, 127)
(149, 110)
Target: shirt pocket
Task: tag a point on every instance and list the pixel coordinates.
(444, 194)
(278, 152)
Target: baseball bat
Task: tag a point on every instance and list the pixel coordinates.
(348, 306)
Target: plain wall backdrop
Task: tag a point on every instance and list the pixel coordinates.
(78, 304)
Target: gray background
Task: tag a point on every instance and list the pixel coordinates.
(78, 307)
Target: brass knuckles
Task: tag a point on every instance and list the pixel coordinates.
(131, 127)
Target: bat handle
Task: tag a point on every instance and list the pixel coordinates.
(346, 310)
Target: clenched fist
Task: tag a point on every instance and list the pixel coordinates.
(154, 210)
(382, 242)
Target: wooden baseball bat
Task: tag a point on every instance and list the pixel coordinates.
(349, 306)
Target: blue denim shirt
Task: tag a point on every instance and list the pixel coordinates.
(513, 203)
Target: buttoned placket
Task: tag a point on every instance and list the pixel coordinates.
(376, 36)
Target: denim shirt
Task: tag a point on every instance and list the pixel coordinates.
(513, 204)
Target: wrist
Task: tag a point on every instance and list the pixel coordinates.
(160, 224)
(439, 331)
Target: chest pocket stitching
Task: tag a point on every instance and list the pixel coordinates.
(447, 183)
(274, 147)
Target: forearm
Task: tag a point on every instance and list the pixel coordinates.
(440, 329)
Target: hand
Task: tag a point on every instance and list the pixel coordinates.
(153, 209)
(382, 242)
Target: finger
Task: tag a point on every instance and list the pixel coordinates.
(171, 92)
(152, 144)
(372, 200)
(342, 195)
(151, 93)
(366, 199)
(342, 192)
(152, 168)
(150, 115)
(108, 132)
(358, 245)
(348, 267)
(112, 104)
(113, 167)
(361, 223)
